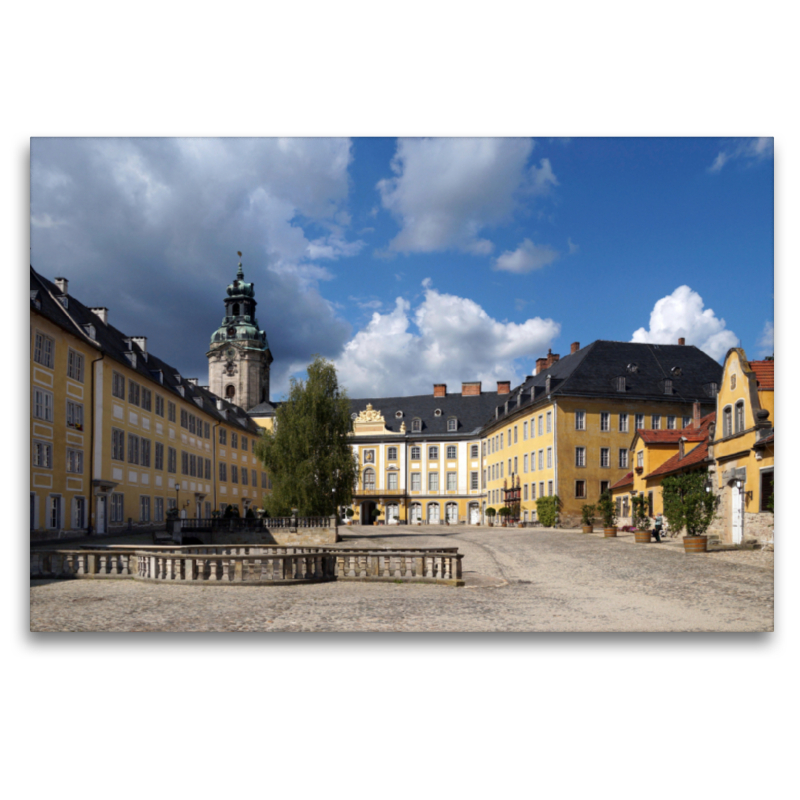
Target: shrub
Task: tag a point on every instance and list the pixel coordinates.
(687, 504)
(349, 513)
(607, 509)
(491, 512)
(587, 514)
(547, 509)
(639, 509)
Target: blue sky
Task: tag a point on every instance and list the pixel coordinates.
(414, 261)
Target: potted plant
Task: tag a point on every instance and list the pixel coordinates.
(608, 511)
(491, 513)
(504, 514)
(641, 520)
(689, 503)
(547, 509)
(349, 514)
(587, 518)
(376, 512)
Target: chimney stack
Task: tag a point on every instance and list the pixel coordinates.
(682, 341)
(696, 414)
(63, 285)
(101, 312)
(503, 387)
(541, 363)
(440, 390)
(471, 389)
(574, 347)
(551, 358)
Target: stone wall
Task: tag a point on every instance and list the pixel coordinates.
(302, 537)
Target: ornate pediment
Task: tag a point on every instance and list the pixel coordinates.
(370, 421)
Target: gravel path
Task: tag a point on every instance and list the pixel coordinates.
(517, 580)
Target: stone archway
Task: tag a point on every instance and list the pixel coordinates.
(367, 507)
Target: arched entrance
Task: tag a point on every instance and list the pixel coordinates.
(451, 513)
(392, 514)
(737, 512)
(366, 512)
(474, 514)
(433, 514)
(415, 515)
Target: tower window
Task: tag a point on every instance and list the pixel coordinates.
(235, 310)
(230, 391)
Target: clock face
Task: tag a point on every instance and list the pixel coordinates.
(231, 352)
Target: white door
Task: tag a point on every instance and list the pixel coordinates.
(474, 515)
(100, 514)
(433, 514)
(737, 515)
(392, 514)
(452, 513)
(416, 513)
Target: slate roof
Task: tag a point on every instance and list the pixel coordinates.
(470, 412)
(765, 374)
(592, 370)
(112, 342)
(263, 409)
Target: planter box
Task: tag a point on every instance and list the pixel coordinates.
(642, 537)
(609, 533)
(695, 544)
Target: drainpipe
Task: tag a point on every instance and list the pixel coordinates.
(555, 447)
(91, 451)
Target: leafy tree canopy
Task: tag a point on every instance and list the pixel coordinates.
(547, 510)
(687, 504)
(308, 454)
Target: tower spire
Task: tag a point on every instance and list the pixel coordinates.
(239, 273)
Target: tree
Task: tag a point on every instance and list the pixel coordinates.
(547, 509)
(608, 509)
(307, 452)
(687, 503)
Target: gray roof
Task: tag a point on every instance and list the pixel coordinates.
(114, 343)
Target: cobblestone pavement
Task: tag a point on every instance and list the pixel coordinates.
(517, 580)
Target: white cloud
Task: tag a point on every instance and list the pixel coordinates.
(766, 342)
(751, 150)
(447, 191)
(526, 258)
(455, 341)
(681, 314)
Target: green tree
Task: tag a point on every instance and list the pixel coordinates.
(608, 509)
(308, 453)
(547, 509)
(687, 504)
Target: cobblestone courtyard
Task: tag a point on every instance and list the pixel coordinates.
(516, 580)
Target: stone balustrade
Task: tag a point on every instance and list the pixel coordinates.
(249, 564)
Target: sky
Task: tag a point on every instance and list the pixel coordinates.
(410, 262)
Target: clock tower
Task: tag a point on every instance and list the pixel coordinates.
(239, 358)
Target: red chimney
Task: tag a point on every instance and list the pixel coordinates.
(541, 363)
(574, 347)
(681, 340)
(471, 389)
(503, 387)
(696, 414)
(551, 358)
(440, 390)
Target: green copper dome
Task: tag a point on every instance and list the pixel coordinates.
(239, 322)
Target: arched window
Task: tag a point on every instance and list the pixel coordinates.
(726, 421)
(235, 310)
(739, 417)
(369, 479)
(230, 391)
(416, 425)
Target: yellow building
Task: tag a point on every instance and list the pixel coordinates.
(567, 429)
(118, 437)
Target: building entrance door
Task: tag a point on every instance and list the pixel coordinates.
(737, 497)
(100, 514)
(416, 513)
(433, 514)
(474, 514)
(451, 510)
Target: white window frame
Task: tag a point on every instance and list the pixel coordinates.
(42, 404)
(580, 420)
(416, 482)
(623, 422)
(433, 481)
(42, 456)
(623, 458)
(605, 421)
(433, 452)
(452, 481)
(605, 456)
(74, 461)
(639, 422)
(580, 456)
(44, 349)
(75, 363)
(452, 449)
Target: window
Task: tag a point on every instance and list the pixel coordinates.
(687, 421)
(159, 464)
(603, 486)
(533, 461)
(640, 460)
(580, 488)
(549, 488)
(541, 459)
(244, 441)
(158, 512)
(170, 411)
(80, 512)
(639, 422)
(451, 451)
(656, 421)
(516, 466)
(619, 384)
(223, 436)
(75, 366)
(43, 405)
(75, 461)
(671, 420)
(533, 492)
(416, 482)
(515, 434)
(452, 424)
(369, 479)
(580, 420)
(118, 385)
(235, 474)
(623, 423)
(234, 439)
(244, 476)
(391, 453)
(223, 471)
(502, 439)
(145, 452)
(433, 453)
(473, 480)
(474, 451)
(147, 399)
(525, 463)
(549, 457)
(133, 449)
(767, 488)
(605, 421)
(451, 481)
(667, 386)
(43, 455)
(192, 424)
(541, 488)
(415, 453)
(207, 430)
(159, 413)
(133, 393)
(192, 465)
(43, 350)
(433, 481)
(727, 427)
(173, 503)
(733, 382)
(184, 463)
(711, 389)
(549, 421)
(74, 415)
(541, 419)
(739, 418)
(184, 419)
(580, 456)
(117, 444)
(416, 425)
(524, 431)
(391, 482)
(144, 508)
(525, 494)
(623, 458)
(117, 508)
(508, 437)
(207, 471)
(172, 460)
(604, 457)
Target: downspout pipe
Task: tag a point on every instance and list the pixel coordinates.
(90, 527)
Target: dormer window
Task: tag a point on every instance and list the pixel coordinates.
(416, 425)
(398, 414)
(452, 424)
(667, 386)
(89, 330)
(711, 389)
(437, 412)
(676, 372)
(620, 384)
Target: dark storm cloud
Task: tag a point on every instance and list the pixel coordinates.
(150, 228)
